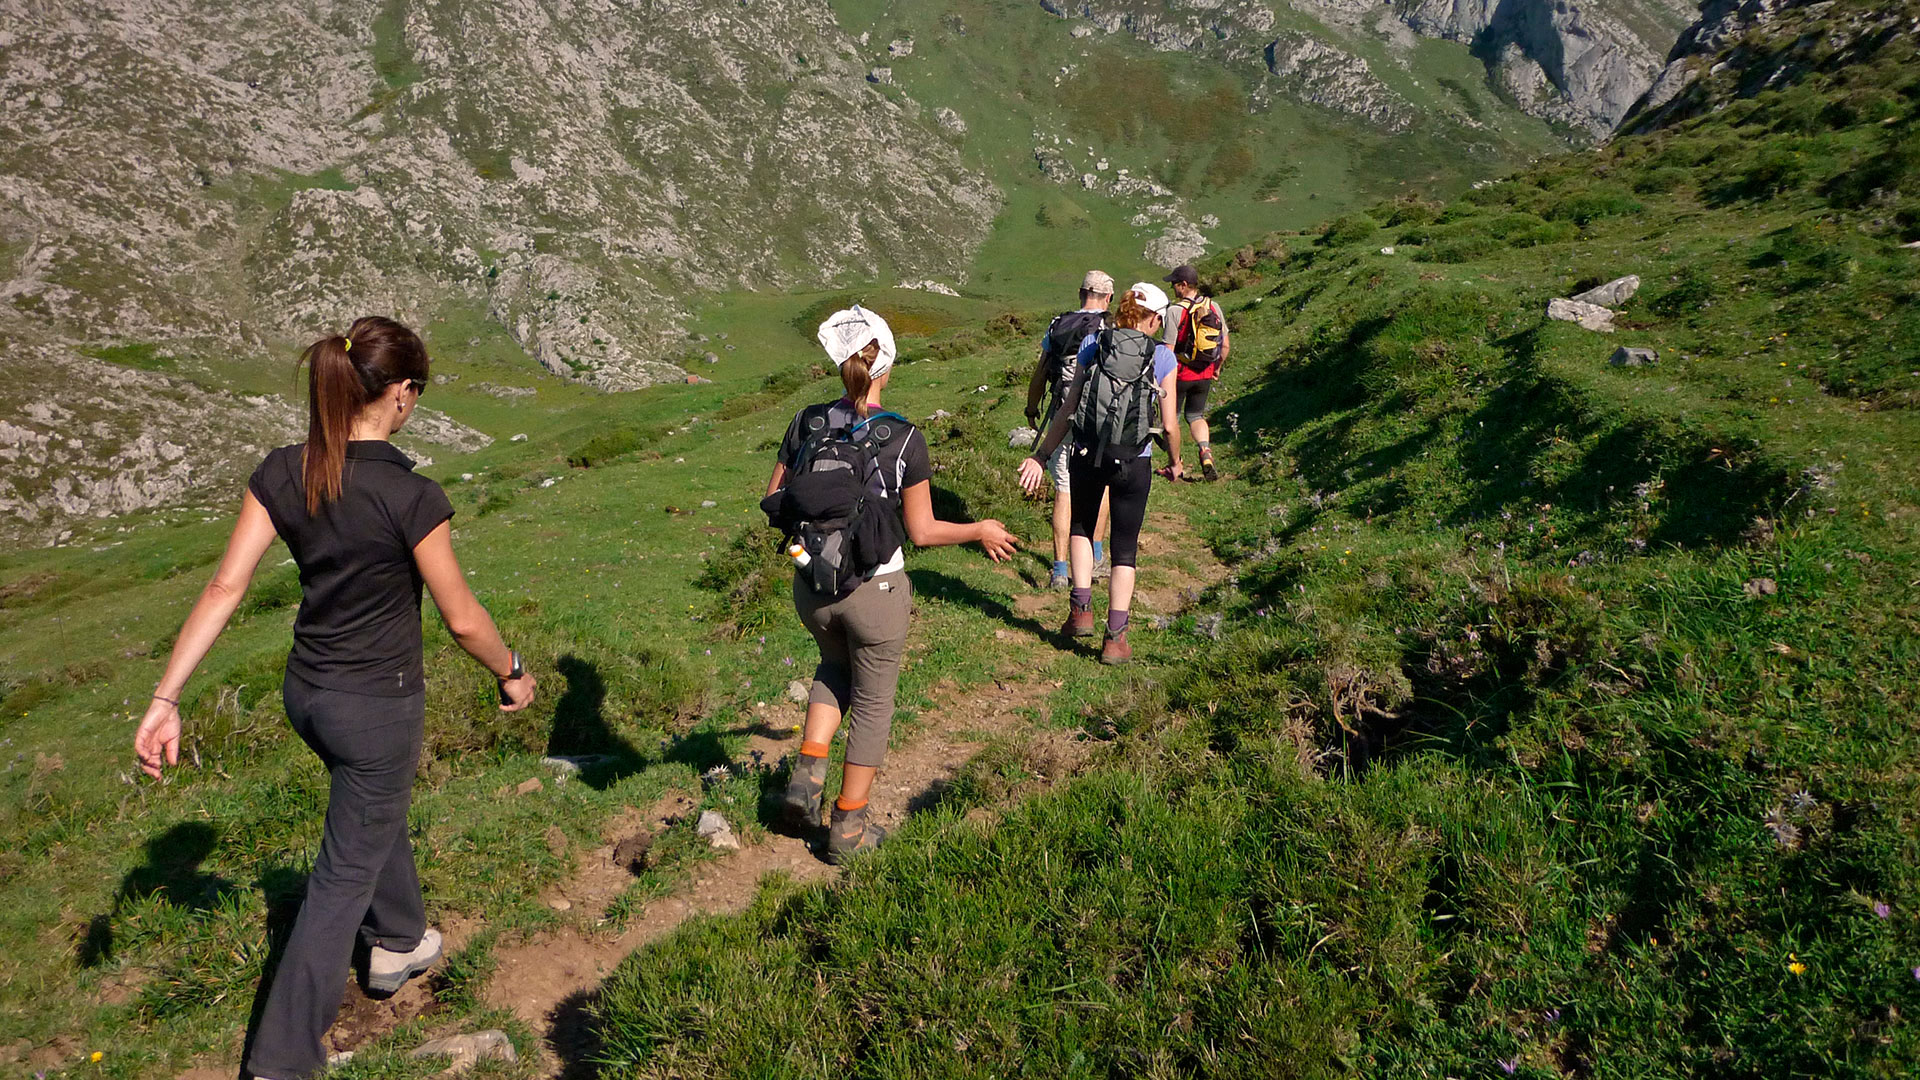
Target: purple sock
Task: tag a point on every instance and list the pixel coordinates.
(1116, 621)
(1082, 599)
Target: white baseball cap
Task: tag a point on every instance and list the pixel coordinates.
(1149, 296)
(847, 332)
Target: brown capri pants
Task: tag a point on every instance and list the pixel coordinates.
(862, 637)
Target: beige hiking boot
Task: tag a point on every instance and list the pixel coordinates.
(388, 971)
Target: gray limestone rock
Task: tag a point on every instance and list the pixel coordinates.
(1613, 293)
(1589, 316)
(1625, 356)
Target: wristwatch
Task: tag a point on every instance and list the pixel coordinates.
(518, 671)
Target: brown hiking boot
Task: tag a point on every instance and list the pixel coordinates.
(1078, 624)
(1115, 649)
(851, 833)
(1207, 470)
(800, 805)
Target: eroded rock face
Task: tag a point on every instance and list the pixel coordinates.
(84, 439)
(1578, 64)
(268, 172)
(242, 177)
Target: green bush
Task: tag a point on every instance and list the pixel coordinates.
(1349, 229)
(1582, 207)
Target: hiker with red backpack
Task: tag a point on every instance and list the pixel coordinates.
(1125, 381)
(851, 483)
(1059, 359)
(1197, 330)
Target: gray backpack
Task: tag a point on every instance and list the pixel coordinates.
(1115, 417)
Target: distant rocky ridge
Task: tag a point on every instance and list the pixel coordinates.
(242, 176)
(1582, 64)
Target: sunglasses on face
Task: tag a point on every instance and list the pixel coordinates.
(418, 386)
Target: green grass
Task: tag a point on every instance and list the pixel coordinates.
(1551, 715)
(1558, 722)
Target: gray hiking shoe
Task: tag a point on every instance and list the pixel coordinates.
(388, 971)
(800, 805)
(1060, 582)
(851, 833)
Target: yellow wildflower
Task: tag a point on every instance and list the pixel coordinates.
(95, 1057)
(1796, 966)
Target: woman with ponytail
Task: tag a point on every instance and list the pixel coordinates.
(366, 533)
(860, 624)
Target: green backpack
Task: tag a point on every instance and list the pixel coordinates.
(1118, 397)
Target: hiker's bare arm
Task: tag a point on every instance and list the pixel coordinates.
(779, 477)
(466, 619)
(158, 737)
(1170, 423)
(925, 530)
(1226, 340)
(1037, 386)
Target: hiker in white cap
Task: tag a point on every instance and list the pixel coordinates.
(1126, 380)
(850, 483)
(1059, 351)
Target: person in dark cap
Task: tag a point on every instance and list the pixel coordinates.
(1197, 333)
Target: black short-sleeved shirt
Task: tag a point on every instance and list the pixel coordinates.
(359, 623)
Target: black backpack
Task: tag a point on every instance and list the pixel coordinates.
(1060, 351)
(841, 501)
(1115, 417)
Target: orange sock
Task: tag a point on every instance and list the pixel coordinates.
(815, 749)
(843, 804)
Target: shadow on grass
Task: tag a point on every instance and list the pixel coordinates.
(171, 872)
(582, 732)
(952, 590)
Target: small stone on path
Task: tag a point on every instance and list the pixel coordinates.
(798, 692)
(1021, 438)
(560, 904)
(714, 827)
(466, 1050)
(556, 841)
(528, 786)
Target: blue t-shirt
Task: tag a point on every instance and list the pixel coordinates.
(1163, 364)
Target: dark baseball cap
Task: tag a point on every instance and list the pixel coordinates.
(1183, 275)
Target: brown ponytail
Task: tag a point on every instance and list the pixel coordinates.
(344, 374)
(1131, 313)
(857, 375)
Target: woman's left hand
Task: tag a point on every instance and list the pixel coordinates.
(158, 738)
(1031, 474)
(999, 543)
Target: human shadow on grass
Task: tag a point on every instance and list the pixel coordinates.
(574, 1036)
(172, 872)
(945, 587)
(581, 731)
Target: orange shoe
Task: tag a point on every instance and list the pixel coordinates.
(1115, 649)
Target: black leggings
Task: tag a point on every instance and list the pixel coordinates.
(1127, 484)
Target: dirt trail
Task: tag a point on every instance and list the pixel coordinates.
(549, 979)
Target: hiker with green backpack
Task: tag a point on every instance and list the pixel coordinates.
(1125, 382)
(851, 483)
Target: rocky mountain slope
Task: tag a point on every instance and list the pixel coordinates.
(233, 177)
(1580, 65)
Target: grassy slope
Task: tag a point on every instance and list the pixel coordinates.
(1561, 717)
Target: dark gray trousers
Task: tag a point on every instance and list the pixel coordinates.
(363, 882)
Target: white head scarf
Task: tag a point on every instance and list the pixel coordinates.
(847, 332)
(1149, 296)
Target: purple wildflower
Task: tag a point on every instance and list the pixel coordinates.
(1553, 1016)
(1508, 1067)
(1881, 909)
(787, 660)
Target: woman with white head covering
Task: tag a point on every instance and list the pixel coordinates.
(850, 481)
